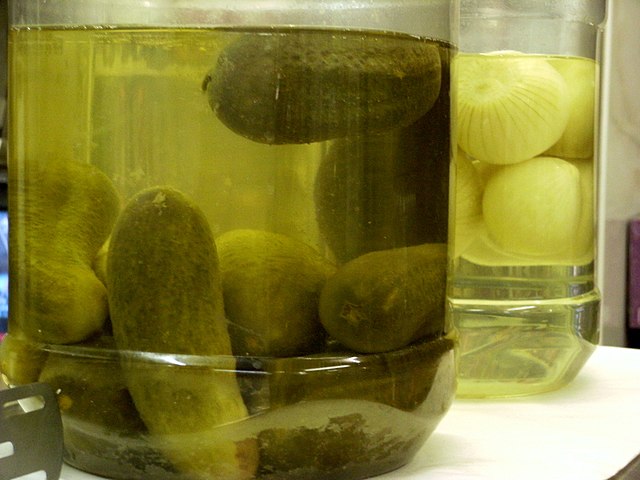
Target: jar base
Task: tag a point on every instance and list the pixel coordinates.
(516, 348)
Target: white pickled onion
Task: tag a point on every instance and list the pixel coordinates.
(510, 107)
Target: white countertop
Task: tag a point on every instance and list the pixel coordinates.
(587, 430)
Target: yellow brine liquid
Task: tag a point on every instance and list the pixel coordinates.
(524, 297)
(157, 174)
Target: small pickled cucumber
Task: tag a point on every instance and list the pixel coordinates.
(285, 87)
(511, 107)
(385, 300)
(61, 213)
(21, 360)
(271, 285)
(534, 207)
(165, 296)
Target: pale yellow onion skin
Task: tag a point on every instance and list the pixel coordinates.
(583, 245)
(469, 186)
(534, 207)
(485, 170)
(510, 107)
(468, 202)
(577, 138)
(473, 242)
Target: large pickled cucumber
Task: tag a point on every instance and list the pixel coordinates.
(165, 296)
(385, 300)
(61, 213)
(389, 190)
(271, 286)
(289, 86)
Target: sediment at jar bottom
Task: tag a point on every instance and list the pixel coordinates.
(103, 432)
(165, 296)
(355, 422)
(365, 422)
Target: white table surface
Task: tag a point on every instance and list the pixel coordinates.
(587, 430)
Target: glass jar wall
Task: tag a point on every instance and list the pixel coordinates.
(524, 295)
(229, 232)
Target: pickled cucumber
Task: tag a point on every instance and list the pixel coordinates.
(287, 86)
(20, 359)
(386, 191)
(385, 300)
(271, 285)
(165, 296)
(61, 213)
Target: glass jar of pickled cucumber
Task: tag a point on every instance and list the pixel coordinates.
(524, 295)
(229, 232)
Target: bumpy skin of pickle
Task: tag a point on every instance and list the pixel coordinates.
(385, 300)
(290, 87)
(61, 212)
(271, 285)
(165, 296)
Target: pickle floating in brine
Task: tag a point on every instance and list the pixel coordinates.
(300, 87)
